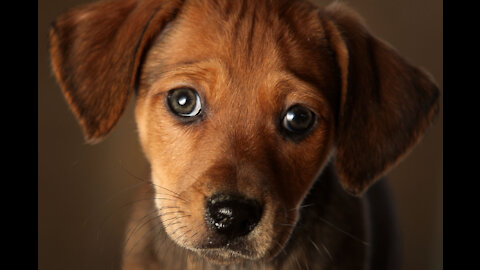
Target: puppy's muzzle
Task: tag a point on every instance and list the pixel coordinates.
(232, 216)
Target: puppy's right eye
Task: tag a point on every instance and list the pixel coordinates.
(184, 102)
(297, 121)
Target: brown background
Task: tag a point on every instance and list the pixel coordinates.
(85, 191)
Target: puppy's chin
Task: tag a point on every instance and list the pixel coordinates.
(221, 251)
(247, 249)
(223, 256)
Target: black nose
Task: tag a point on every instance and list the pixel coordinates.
(232, 215)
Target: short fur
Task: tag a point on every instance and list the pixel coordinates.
(249, 61)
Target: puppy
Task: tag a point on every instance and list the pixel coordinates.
(265, 123)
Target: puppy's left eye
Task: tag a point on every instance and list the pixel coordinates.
(184, 102)
(298, 119)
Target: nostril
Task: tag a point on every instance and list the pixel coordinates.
(232, 215)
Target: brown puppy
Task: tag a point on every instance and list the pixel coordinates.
(261, 120)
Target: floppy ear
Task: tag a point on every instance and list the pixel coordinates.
(386, 103)
(96, 51)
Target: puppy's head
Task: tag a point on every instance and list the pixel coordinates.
(239, 106)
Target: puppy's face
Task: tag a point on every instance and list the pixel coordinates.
(239, 105)
(235, 127)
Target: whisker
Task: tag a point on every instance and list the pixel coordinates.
(324, 247)
(166, 199)
(171, 224)
(195, 232)
(315, 245)
(138, 227)
(285, 224)
(342, 231)
(153, 229)
(138, 222)
(171, 241)
(175, 195)
(134, 230)
(179, 228)
(151, 183)
(282, 249)
(148, 199)
(176, 217)
(178, 238)
(326, 250)
(298, 263)
(121, 207)
(110, 199)
(174, 212)
(301, 207)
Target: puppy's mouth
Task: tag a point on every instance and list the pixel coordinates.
(230, 229)
(221, 249)
(226, 251)
(223, 256)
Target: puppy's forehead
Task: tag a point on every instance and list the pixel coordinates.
(251, 41)
(242, 32)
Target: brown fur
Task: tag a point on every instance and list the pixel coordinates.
(249, 61)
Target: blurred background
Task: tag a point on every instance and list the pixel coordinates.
(85, 191)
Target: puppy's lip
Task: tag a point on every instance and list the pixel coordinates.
(226, 250)
(222, 249)
(226, 255)
(236, 246)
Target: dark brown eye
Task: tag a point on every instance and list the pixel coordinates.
(298, 119)
(184, 102)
